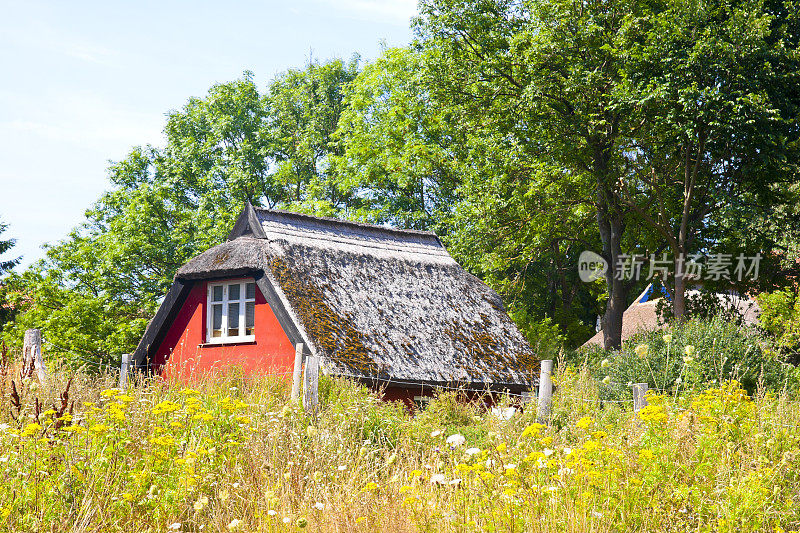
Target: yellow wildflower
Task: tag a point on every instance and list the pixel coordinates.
(30, 429)
(534, 430)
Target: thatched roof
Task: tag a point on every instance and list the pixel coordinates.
(375, 302)
(642, 315)
(637, 318)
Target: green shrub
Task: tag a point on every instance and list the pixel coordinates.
(780, 317)
(449, 409)
(695, 354)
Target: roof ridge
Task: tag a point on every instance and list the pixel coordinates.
(350, 223)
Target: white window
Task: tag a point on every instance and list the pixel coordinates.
(231, 311)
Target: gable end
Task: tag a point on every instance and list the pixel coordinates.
(247, 225)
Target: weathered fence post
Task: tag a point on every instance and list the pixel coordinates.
(639, 397)
(32, 355)
(545, 390)
(123, 371)
(298, 371)
(311, 384)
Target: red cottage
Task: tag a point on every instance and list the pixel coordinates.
(389, 308)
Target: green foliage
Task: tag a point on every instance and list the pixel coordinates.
(95, 291)
(449, 409)
(303, 112)
(522, 133)
(398, 147)
(696, 354)
(780, 317)
(715, 160)
(618, 99)
(6, 311)
(536, 89)
(543, 335)
(5, 246)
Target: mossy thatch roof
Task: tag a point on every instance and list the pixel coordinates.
(375, 302)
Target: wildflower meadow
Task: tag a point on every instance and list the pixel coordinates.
(234, 454)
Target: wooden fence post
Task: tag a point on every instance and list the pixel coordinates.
(639, 397)
(311, 385)
(123, 371)
(298, 370)
(32, 355)
(545, 390)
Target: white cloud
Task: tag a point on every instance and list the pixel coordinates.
(41, 36)
(85, 119)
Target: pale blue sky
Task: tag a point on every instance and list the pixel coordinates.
(83, 82)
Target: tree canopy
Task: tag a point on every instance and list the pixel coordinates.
(523, 133)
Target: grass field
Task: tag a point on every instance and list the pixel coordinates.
(235, 455)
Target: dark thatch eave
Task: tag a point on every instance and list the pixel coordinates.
(241, 256)
(159, 325)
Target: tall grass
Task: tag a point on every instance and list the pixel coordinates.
(234, 454)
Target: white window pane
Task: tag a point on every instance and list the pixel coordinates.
(249, 318)
(250, 291)
(216, 320)
(234, 291)
(233, 320)
(216, 293)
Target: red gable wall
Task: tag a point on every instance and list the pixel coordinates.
(184, 354)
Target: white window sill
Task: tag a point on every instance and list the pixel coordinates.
(228, 341)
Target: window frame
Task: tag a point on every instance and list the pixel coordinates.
(243, 300)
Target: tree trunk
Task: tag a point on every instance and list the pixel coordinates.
(618, 288)
(611, 224)
(679, 298)
(612, 318)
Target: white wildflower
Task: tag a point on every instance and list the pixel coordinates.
(456, 440)
(504, 414)
(438, 479)
(472, 451)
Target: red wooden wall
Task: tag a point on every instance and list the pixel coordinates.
(184, 355)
